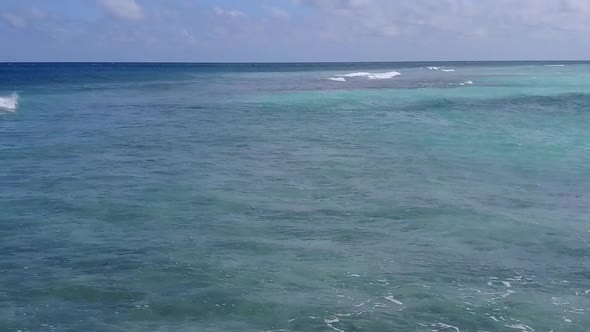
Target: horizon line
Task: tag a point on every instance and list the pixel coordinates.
(281, 62)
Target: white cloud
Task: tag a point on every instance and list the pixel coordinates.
(475, 18)
(14, 20)
(123, 9)
(309, 30)
(279, 13)
(227, 12)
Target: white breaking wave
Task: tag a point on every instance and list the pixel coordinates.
(337, 79)
(372, 76)
(383, 76)
(447, 326)
(359, 74)
(329, 322)
(466, 83)
(392, 299)
(9, 103)
(521, 327)
(440, 69)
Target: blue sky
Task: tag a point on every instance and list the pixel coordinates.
(293, 30)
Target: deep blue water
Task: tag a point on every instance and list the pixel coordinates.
(295, 197)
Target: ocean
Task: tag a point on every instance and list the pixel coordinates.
(341, 197)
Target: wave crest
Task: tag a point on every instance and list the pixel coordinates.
(441, 69)
(384, 76)
(372, 76)
(9, 103)
(359, 74)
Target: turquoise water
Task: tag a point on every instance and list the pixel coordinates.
(267, 197)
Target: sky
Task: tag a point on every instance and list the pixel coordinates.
(293, 30)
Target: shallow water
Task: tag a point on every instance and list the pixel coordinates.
(150, 197)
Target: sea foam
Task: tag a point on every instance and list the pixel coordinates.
(359, 74)
(392, 299)
(372, 76)
(9, 103)
(441, 69)
(329, 322)
(337, 79)
(383, 76)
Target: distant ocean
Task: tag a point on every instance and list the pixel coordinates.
(295, 197)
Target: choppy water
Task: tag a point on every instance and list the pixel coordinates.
(271, 198)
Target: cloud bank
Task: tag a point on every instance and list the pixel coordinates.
(295, 30)
(123, 9)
